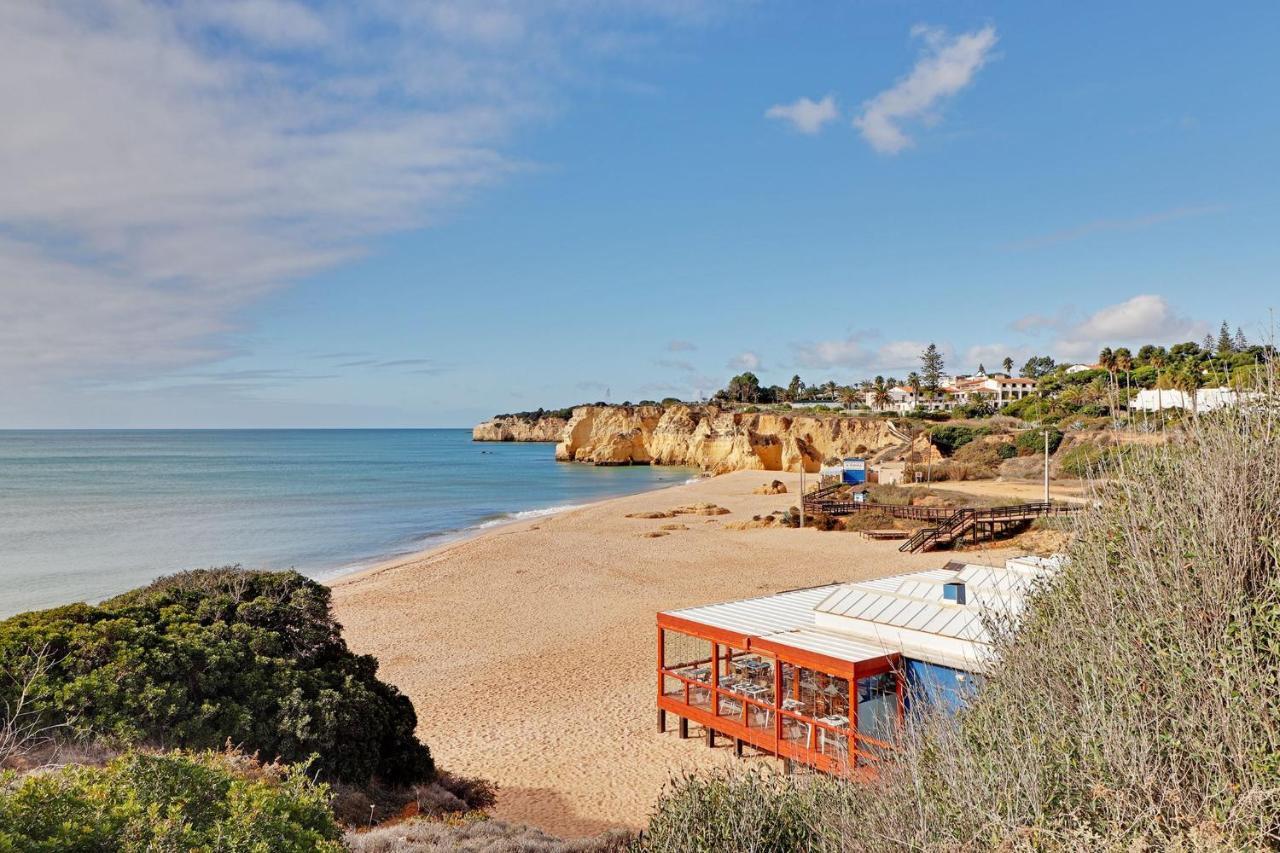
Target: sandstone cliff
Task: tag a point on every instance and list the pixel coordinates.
(717, 441)
(519, 429)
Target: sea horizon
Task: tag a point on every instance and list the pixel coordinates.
(86, 514)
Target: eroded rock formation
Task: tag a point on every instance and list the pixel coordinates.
(519, 429)
(709, 438)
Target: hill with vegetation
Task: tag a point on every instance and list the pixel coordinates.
(203, 658)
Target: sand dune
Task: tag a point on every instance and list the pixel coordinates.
(529, 651)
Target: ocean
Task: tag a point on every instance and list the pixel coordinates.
(85, 515)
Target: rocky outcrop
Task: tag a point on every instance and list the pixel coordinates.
(519, 429)
(718, 441)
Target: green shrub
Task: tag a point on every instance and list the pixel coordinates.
(1006, 450)
(981, 458)
(1032, 441)
(951, 437)
(141, 802)
(203, 657)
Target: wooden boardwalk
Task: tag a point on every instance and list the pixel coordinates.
(947, 525)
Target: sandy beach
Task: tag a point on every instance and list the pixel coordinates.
(529, 650)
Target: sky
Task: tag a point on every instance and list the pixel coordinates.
(270, 213)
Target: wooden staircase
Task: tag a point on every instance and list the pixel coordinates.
(974, 521)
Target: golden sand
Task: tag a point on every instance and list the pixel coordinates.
(529, 651)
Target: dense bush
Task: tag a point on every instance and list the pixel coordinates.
(948, 439)
(984, 456)
(203, 657)
(142, 802)
(1032, 441)
(1134, 708)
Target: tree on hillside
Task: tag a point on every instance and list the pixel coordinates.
(1225, 346)
(1207, 344)
(931, 366)
(880, 395)
(744, 388)
(848, 396)
(1240, 343)
(916, 384)
(1124, 359)
(982, 369)
(1037, 366)
(1007, 364)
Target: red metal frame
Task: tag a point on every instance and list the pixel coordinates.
(771, 737)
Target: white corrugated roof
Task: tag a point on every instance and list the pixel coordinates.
(757, 617)
(904, 613)
(831, 643)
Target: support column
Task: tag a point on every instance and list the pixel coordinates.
(711, 738)
(738, 743)
(684, 728)
(662, 721)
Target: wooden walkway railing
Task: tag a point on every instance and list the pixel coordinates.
(961, 521)
(948, 523)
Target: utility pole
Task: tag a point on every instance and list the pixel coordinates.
(802, 492)
(1046, 466)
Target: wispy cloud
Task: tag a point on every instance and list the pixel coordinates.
(805, 115)
(745, 361)
(863, 351)
(681, 346)
(1102, 226)
(170, 164)
(947, 65)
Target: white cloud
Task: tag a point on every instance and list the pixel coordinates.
(846, 352)
(946, 66)
(805, 115)
(992, 356)
(1146, 318)
(745, 361)
(860, 352)
(167, 165)
(681, 346)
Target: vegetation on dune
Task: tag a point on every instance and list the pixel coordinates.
(1136, 707)
(142, 802)
(208, 657)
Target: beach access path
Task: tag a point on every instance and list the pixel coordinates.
(529, 650)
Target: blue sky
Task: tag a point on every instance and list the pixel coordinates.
(268, 213)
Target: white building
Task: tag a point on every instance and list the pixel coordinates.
(996, 389)
(1206, 399)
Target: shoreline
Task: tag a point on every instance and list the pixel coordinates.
(458, 536)
(528, 649)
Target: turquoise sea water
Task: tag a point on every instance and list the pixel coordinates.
(85, 515)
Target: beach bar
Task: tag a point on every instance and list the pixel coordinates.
(826, 676)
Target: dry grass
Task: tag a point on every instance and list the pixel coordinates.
(475, 836)
(1137, 707)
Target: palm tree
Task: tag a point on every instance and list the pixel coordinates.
(916, 383)
(1158, 359)
(848, 396)
(881, 396)
(1124, 364)
(1107, 359)
(1007, 364)
(1185, 380)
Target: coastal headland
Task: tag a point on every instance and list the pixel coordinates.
(708, 437)
(529, 650)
